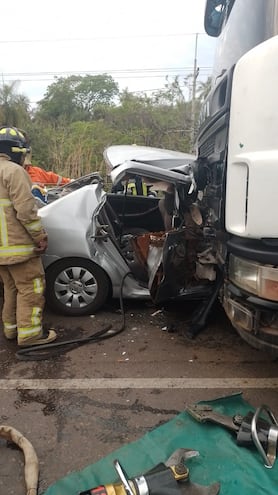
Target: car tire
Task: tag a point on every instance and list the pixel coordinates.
(76, 287)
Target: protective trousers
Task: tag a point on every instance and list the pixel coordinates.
(24, 285)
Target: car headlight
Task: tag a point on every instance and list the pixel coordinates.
(258, 279)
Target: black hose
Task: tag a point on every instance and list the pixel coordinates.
(45, 351)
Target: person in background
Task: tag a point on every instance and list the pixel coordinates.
(43, 177)
(137, 187)
(22, 241)
(134, 187)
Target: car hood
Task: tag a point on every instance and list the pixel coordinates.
(151, 163)
(116, 155)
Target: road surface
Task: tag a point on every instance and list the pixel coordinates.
(80, 406)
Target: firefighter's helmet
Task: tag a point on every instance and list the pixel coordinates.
(13, 143)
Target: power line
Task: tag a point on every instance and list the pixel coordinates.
(100, 38)
(104, 71)
(120, 77)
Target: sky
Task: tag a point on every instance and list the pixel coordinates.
(137, 42)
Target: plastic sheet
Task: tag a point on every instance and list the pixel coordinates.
(239, 470)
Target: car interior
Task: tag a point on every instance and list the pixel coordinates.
(127, 218)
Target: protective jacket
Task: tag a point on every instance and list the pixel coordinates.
(20, 227)
(44, 178)
(137, 187)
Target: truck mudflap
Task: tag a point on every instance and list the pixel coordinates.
(254, 319)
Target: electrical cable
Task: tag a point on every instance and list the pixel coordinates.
(42, 352)
(101, 38)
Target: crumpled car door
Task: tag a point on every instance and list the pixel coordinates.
(169, 258)
(166, 255)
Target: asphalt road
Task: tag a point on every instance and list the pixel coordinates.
(80, 406)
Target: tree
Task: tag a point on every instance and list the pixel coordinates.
(74, 124)
(77, 98)
(71, 149)
(172, 93)
(14, 107)
(157, 121)
(204, 88)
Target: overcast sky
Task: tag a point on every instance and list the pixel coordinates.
(138, 42)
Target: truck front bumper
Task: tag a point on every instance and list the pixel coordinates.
(255, 319)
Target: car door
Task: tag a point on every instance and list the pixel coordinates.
(166, 255)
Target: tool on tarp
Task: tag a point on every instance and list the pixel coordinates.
(251, 429)
(169, 478)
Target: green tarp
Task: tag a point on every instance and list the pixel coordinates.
(240, 471)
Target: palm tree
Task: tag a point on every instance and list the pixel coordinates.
(14, 107)
(204, 88)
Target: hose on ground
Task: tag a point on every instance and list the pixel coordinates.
(31, 468)
(54, 349)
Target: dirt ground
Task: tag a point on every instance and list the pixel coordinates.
(78, 407)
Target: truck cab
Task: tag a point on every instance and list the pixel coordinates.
(237, 148)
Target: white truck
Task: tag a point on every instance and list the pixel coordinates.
(238, 163)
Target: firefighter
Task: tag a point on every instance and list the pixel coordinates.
(22, 241)
(137, 187)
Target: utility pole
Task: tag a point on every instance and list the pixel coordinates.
(195, 75)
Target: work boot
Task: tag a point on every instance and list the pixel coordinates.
(10, 331)
(45, 337)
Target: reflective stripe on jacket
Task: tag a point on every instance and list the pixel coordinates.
(137, 188)
(20, 226)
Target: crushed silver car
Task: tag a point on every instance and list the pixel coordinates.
(102, 245)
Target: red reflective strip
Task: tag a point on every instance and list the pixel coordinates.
(99, 490)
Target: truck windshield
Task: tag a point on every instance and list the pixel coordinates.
(242, 24)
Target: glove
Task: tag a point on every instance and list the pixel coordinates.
(41, 246)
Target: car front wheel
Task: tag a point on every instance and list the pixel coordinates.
(76, 287)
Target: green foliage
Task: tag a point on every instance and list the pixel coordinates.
(73, 149)
(80, 116)
(77, 98)
(158, 121)
(14, 107)
(203, 88)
